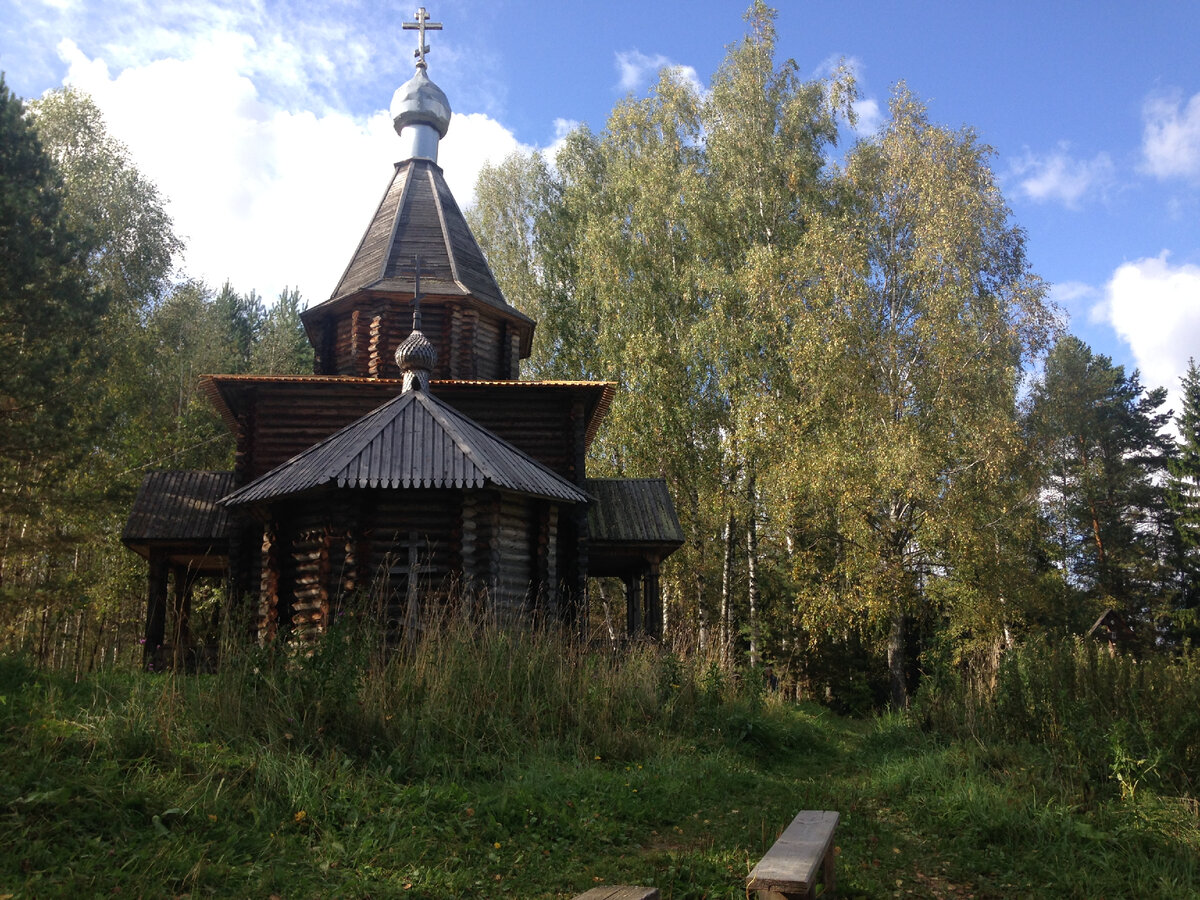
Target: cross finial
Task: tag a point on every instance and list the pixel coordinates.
(422, 25)
(416, 300)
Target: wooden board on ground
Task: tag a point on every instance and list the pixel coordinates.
(802, 856)
(620, 892)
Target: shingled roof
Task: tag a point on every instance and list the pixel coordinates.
(418, 217)
(632, 511)
(412, 441)
(179, 508)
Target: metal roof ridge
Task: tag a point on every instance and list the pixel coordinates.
(441, 217)
(391, 241)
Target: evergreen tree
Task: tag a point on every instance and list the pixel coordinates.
(1101, 443)
(242, 317)
(1184, 497)
(282, 346)
(49, 311)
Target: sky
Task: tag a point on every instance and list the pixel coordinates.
(265, 124)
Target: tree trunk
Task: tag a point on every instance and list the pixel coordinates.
(727, 596)
(752, 573)
(897, 662)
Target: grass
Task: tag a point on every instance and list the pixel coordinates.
(501, 765)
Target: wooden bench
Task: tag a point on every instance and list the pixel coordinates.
(620, 892)
(803, 854)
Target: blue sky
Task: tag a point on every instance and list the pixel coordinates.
(265, 123)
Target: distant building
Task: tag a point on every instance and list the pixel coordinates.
(413, 467)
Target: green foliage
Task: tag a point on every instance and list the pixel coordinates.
(1183, 494)
(131, 238)
(281, 345)
(109, 352)
(1098, 439)
(1109, 723)
(49, 308)
(323, 775)
(828, 354)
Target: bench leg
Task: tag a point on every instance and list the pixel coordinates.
(830, 875)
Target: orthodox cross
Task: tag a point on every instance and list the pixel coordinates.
(416, 300)
(422, 25)
(411, 573)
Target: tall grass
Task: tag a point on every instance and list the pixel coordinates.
(484, 762)
(464, 700)
(1112, 724)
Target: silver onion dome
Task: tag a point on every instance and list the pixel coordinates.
(421, 115)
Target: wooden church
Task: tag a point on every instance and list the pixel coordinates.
(413, 468)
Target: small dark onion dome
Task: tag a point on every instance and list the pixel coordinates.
(416, 356)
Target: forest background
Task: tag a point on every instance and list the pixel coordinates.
(886, 455)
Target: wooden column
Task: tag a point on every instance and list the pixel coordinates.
(156, 606)
(652, 601)
(544, 535)
(574, 560)
(472, 577)
(514, 355)
(181, 632)
(491, 513)
(633, 613)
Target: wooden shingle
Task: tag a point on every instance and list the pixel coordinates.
(632, 511)
(177, 513)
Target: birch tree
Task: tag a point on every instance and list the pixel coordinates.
(914, 312)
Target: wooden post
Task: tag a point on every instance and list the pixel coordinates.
(633, 613)
(652, 602)
(156, 607)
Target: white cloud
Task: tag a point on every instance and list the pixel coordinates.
(870, 116)
(263, 196)
(1059, 177)
(637, 70)
(1171, 136)
(1067, 292)
(1155, 308)
(473, 139)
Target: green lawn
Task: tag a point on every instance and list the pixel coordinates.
(139, 786)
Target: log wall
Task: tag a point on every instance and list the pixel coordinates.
(470, 346)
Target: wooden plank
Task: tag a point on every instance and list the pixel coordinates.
(620, 892)
(792, 865)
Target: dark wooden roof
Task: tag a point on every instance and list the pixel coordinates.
(631, 524)
(178, 509)
(632, 511)
(418, 216)
(413, 441)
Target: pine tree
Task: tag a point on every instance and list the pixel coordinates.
(48, 312)
(1183, 491)
(1100, 441)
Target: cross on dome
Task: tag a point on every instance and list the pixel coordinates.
(421, 25)
(416, 355)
